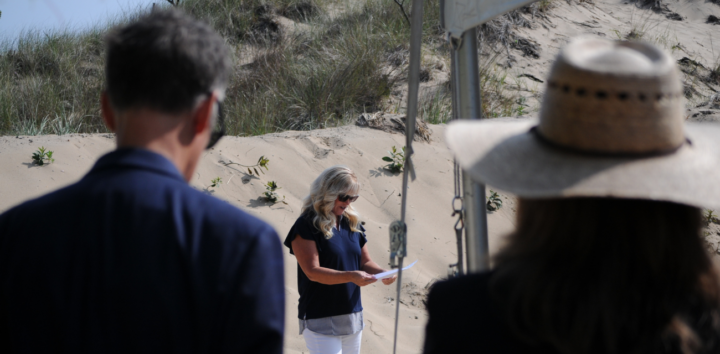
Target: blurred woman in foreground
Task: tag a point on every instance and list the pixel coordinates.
(607, 256)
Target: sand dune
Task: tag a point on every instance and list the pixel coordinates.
(296, 158)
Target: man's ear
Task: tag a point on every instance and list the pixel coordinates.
(107, 111)
(202, 119)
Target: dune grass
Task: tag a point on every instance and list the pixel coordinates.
(319, 77)
(714, 68)
(333, 67)
(50, 83)
(715, 72)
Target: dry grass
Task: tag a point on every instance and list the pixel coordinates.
(51, 83)
(345, 64)
(714, 76)
(326, 76)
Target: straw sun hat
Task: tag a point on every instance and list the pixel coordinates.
(611, 125)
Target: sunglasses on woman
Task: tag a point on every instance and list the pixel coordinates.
(345, 198)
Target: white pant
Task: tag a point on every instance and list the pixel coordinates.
(321, 344)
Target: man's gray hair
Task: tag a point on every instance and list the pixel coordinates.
(164, 60)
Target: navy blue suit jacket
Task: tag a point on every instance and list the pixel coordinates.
(131, 259)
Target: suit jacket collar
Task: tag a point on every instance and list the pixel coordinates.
(137, 158)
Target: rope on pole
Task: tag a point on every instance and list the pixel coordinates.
(409, 170)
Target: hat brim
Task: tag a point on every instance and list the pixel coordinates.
(504, 154)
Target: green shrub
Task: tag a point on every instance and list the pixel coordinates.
(493, 202)
(41, 156)
(270, 195)
(396, 160)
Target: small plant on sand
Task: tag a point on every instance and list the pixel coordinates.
(544, 5)
(493, 201)
(253, 169)
(42, 156)
(520, 110)
(715, 71)
(270, 195)
(396, 160)
(215, 182)
(710, 216)
(640, 25)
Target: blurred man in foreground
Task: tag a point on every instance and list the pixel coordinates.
(131, 259)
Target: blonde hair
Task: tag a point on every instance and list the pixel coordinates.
(324, 191)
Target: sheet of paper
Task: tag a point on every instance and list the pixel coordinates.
(391, 272)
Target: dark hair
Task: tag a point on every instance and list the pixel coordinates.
(601, 275)
(165, 60)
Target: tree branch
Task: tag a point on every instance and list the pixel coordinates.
(402, 8)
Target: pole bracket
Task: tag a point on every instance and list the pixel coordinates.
(398, 242)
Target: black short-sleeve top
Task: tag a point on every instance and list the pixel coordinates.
(340, 252)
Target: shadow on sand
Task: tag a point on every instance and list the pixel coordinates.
(260, 202)
(382, 171)
(31, 164)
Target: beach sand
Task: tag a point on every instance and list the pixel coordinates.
(296, 159)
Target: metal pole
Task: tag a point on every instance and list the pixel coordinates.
(413, 89)
(469, 107)
(476, 240)
(457, 173)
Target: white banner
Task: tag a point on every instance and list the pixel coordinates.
(462, 15)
